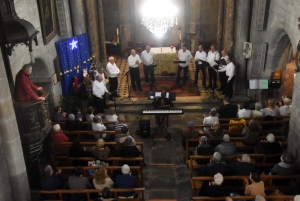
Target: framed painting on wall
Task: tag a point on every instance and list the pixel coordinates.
(247, 50)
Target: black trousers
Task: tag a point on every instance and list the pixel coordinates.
(99, 103)
(185, 70)
(223, 80)
(212, 76)
(229, 87)
(203, 71)
(113, 83)
(135, 77)
(148, 69)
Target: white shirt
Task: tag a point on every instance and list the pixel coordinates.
(112, 70)
(184, 56)
(256, 113)
(147, 58)
(89, 117)
(98, 127)
(209, 120)
(132, 60)
(285, 110)
(225, 58)
(103, 76)
(267, 111)
(230, 70)
(211, 57)
(242, 113)
(201, 56)
(99, 89)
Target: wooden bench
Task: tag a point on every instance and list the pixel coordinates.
(259, 160)
(85, 123)
(267, 179)
(259, 118)
(36, 195)
(89, 132)
(269, 197)
(68, 171)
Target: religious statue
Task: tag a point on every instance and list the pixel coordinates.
(24, 87)
(297, 58)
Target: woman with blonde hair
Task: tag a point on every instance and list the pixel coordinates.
(101, 179)
(271, 108)
(121, 122)
(111, 116)
(216, 133)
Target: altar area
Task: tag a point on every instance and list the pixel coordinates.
(164, 57)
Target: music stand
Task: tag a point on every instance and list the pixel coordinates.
(128, 86)
(179, 62)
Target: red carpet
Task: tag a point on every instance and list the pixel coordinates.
(180, 90)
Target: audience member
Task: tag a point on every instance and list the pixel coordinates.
(251, 132)
(74, 125)
(101, 179)
(76, 150)
(226, 147)
(216, 133)
(111, 117)
(99, 151)
(271, 108)
(77, 113)
(59, 115)
(243, 166)
(215, 188)
(97, 125)
(215, 166)
(130, 149)
(227, 110)
(286, 108)
(297, 198)
(256, 187)
(90, 114)
(120, 138)
(284, 167)
(210, 119)
(245, 112)
(189, 133)
(106, 195)
(203, 149)
(260, 198)
(120, 123)
(58, 136)
(228, 199)
(257, 112)
(269, 146)
(126, 181)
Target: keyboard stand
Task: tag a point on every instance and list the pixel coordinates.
(161, 124)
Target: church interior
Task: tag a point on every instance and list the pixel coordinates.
(159, 100)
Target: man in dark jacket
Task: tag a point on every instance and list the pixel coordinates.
(243, 167)
(214, 167)
(126, 181)
(226, 147)
(228, 110)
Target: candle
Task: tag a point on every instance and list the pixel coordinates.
(117, 31)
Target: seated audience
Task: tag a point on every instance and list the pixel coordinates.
(111, 116)
(215, 166)
(260, 198)
(252, 132)
(257, 112)
(284, 167)
(77, 113)
(74, 125)
(99, 151)
(98, 126)
(216, 133)
(269, 146)
(243, 166)
(286, 108)
(120, 123)
(76, 150)
(210, 119)
(101, 180)
(215, 188)
(228, 110)
(126, 181)
(59, 115)
(120, 138)
(58, 136)
(245, 112)
(271, 108)
(90, 114)
(51, 182)
(203, 149)
(189, 133)
(106, 195)
(129, 149)
(256, 187)
(226, 147)
(297, 198)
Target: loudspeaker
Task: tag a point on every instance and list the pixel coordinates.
(145, 128)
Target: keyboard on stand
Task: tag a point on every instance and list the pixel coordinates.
(159, 111)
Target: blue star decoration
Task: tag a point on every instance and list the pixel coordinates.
(73, 44)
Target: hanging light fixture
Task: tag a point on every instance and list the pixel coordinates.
(158, 16)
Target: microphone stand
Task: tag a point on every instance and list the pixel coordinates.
(128, 86)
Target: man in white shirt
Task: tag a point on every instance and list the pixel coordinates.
(230, 73)
(101, 72)
(99, 89)
(147, 58)
(113, 72)
(200, 55)
(222, 75)
(183, 55)
(211, 57)
(97, 125)
(134, 62)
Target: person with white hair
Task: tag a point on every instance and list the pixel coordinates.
(243, 166)
(126, 180)
(58, 136)
(257, 112)
(260, 198)
(285, 167)
(113, 72)
(215, 188)
(203, 149)
(226, 147)
(99, 91)
(256, 187)
(286, 108)
(210, 119)
(134, 61)
(73, 124)
(215, 166)
(147, 59)
(97, 125)
(23, 91)
(268, 146)
(297, 198)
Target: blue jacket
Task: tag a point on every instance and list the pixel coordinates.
(126, 181)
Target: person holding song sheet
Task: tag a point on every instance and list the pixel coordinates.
(183, 55)
(147, 58)
(222, 75)
(230, 74)
(113, 72)
(211, 57)
(133, 62)
(200, 56)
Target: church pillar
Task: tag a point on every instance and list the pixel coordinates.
(125, 22)
(92, 28)
(220, 24)
(78, 17)
(101, 32)
(229, 26)
(13, 176)
(242, 34)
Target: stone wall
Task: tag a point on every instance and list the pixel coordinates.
(111, 18)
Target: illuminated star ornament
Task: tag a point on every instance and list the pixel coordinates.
(73, 44)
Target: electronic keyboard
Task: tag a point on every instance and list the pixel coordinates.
(161, 111)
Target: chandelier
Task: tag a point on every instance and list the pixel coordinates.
(159, 16)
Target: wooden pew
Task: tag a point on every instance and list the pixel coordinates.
(86, 123)
(269, 197)
(267, 179)
(254, 158)
(36, 195)
(260, 118)
(110, 170)
(89, 132)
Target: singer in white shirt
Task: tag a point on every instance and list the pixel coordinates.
(211, 57)
(101, 72)
(134, 62)
(113, 72)
(183, 55)
(200, 56)
(99, 90)
(222, 75)
(230, 73)
(147, 58)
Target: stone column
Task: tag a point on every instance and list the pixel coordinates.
(101, 32)
(243, 15)
(229, 26)
(92, 29)
(13, 174)
(124, 22)
(78, 17)
(220, 24)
